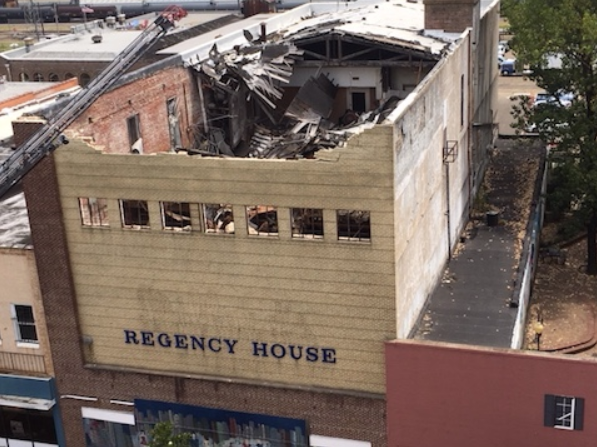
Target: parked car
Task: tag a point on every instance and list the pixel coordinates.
(508, 67)
(563, 98)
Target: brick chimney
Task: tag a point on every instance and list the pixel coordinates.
(453, 16)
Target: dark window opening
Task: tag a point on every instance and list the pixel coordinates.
(176, 216)
(462, 100)
(27, 425)
(359, 102)
(135, 214)
(353, 225)
(134, 131)
(307, 223)
(262, 220)
(84, 79)
(25, 324)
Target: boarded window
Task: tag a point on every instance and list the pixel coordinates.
(262, 220)
(218, 218)
(94, 212)
(176, 216)
(353, 225)
(134, 214)
(307, 223)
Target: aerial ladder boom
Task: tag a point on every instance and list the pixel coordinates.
(50, 136)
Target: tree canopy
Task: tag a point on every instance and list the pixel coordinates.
(557, 41)
(163, 435)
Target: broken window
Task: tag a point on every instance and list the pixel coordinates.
(307, 223)
(134, 131)
(94, 212)
(218, 218)
(134, 214)
(353, 225)
(176, 216)
(262, 220)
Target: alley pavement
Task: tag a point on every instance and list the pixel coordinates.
(471, 305)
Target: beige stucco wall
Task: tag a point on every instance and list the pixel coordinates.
(431, 196)
(19, 285)
(320, 293)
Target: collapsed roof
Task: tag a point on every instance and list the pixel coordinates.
(244, 85)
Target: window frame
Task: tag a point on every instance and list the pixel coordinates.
(133, 128)
(134, 226)
(348, 235)
(563, 412)
(184, 213)
(316, 214)
(218, 218)
(19, 339)
(97, 209)
(251, 211)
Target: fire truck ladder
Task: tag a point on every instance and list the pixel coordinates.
(49, 137)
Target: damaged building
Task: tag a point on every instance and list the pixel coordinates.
(234, 231)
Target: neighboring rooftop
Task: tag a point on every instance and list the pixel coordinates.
(16, 99)
(80, 46)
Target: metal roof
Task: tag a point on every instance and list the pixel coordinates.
(79, 46)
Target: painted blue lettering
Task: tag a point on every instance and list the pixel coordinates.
(311, 354)
(164, 340)
(147, 338)
(180, 341)
(210, 343)
(197, 343)
(230, 344)
(130, 337)
(281, 351)
(295, 356)
(328, 355)
(260, 349)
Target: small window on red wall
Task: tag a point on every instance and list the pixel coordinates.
(564, 412)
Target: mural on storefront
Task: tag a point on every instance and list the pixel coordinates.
(211, 427)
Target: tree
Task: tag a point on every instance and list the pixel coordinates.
(557, 40)
(162, 435)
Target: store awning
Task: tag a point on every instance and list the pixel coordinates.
(32, 403)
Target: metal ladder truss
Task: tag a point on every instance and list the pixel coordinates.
(49, 136)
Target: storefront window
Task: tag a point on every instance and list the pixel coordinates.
(108, 434)
(27, 425)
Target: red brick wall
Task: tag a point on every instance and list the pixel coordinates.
(105, 120)
(460, 396)
(449, 15)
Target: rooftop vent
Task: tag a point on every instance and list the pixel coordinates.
(96, 38)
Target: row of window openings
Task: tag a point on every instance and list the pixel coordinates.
(24, 324)
(262, 220)
(84, 78)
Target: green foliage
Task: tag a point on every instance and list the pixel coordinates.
(567, 31)
(163, 435)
